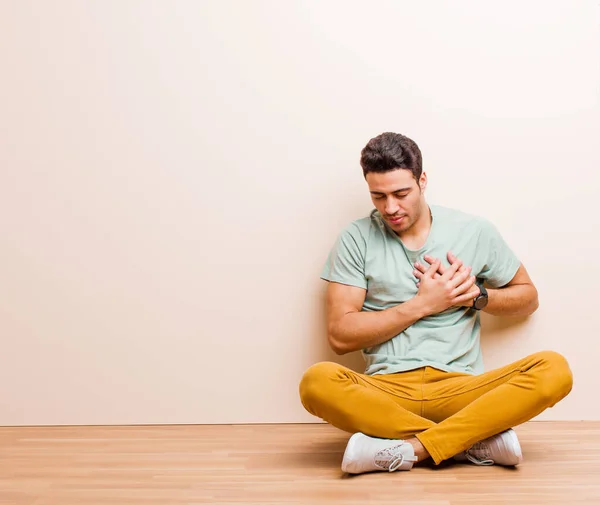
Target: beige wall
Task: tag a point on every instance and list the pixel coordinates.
(173, 175)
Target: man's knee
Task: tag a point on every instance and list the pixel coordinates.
(313, 383)
(557, 380)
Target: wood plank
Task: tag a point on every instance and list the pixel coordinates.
(277, 464)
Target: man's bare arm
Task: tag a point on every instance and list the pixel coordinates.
(518, 298)
(349, 329)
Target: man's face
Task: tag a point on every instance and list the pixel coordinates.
(397, 197)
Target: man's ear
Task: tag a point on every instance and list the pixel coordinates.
(423, 181)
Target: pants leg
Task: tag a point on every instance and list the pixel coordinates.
(384, 406)
(471, 408)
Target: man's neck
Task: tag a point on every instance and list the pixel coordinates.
(416, 236)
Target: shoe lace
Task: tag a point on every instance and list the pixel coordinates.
(391, 458)
(479, 454)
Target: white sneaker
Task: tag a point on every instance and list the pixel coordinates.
(368, 454)
(502, 449)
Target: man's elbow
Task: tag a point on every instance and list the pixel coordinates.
(534, 303)
(337, 346)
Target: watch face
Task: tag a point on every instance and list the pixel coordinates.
(481, 302)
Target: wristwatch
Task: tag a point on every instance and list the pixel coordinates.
(482, 300)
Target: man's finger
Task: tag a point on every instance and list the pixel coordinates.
(463, 287)
(432, 269)
(421, 268)
(461, 277)
(469, 296)
(449, 273)
(452, 258)
(431, 259)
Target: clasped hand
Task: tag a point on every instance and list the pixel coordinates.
(441, 287)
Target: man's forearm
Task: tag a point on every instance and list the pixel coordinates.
(359, 330)
(517, 300)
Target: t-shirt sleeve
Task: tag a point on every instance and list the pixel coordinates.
(500, 262)
(346, 261)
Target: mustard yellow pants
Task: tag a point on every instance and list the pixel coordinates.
(447, 412)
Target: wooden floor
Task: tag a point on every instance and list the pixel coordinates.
(277, 464)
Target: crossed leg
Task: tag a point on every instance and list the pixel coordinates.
(447, 412)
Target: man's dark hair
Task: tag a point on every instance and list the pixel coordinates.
(390, 151)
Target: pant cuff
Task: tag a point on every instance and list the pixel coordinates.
(433, 452)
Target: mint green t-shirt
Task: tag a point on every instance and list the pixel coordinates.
(369, 255)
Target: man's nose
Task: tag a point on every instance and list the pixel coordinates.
(391, 207)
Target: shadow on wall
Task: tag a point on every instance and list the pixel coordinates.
(501, 335)
(503, 327)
